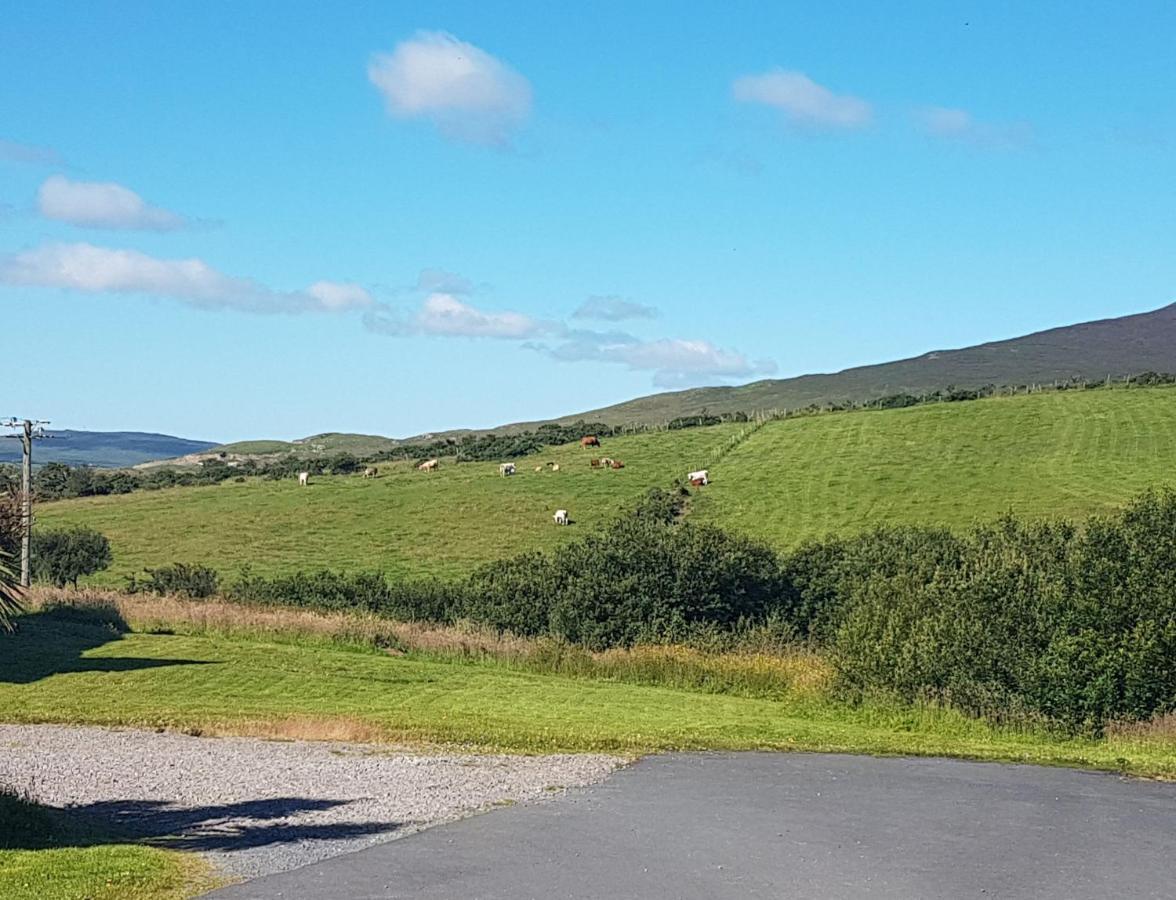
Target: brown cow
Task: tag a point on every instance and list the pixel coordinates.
(589, 440)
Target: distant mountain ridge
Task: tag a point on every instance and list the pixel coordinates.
(103, 449)
(1119, 347)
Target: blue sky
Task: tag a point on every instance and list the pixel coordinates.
(233, 220)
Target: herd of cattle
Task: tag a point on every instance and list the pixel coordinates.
(696, 479)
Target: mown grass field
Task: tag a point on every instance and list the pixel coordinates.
(72, 672)
(1066, 454)
(402, 523)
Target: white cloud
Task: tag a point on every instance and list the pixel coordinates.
(802, 100)
(463, 90)
(102, 270)
(102, 204)
(444, 315)
(959, 125)
(673, 361)
(613, 309)
(14, 151)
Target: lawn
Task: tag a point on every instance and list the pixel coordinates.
(1058, 454)
(71, 672)
(402, 523)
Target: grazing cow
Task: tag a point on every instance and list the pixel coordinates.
(428, 465)
(506, 469)
(700, 476)
(561, 517)
(589, 440)
(303, 479)
(617, 464)
(595, 463)
(371, 472)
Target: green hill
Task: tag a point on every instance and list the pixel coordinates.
(1068, 453)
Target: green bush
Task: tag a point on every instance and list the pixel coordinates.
(197, 582)
(640, 581)
(1078, 626)
(62, 557)
(410, 601)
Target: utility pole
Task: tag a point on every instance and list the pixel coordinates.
(29, 430)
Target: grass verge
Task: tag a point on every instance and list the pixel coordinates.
(46, 855)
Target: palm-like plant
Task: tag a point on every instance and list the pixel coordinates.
(10, 594)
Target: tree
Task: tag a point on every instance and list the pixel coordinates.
(62, 557)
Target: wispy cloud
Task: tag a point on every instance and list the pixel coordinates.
(102, 204)
(802, 100)
(102, 270)
(613, 309)
(14, 151)
(444, 315)
(959, 125)
(673, 361)
(465, 92)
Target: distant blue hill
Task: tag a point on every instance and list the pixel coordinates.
(105, 449)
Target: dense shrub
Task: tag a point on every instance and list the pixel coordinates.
(1075, 625)
(419, 600)
(640, 581)
(63, 556)
(197, 582)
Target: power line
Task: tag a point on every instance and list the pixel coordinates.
(30, 430)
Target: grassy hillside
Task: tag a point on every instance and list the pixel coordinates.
(1050, 454)
(1092, 350)
(1065, 454)
(403, 523)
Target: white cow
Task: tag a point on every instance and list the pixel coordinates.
(561, 517)
(700, 476)
(506, 469)
(303, 479)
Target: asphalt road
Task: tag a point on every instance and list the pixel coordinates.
(784, 825)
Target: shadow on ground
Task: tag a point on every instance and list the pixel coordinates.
(226, 827)
(54, 641)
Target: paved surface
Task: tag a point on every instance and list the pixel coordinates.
(256, 807)
(784, 825)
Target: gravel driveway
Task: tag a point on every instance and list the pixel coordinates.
(258, 807)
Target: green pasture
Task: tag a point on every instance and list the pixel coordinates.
(1059, 454)
(404, 522)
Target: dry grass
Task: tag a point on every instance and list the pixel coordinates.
(1160, 729)
(789, 672)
